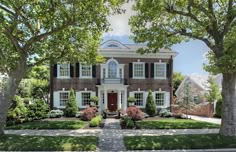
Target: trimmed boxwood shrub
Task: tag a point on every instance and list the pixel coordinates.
(127, 122)
(89, 113)
(95, 121)
(150, 104)
(71, 106)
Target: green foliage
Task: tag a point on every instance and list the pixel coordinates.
(177, 79)
(17, 109)
(162, 23)
(25, 88)
(214, 90)
(131, 100)
(71, 105)
(219, 108)
(38, 72)
(95, 121)
(38, 110)
(150, 104)
(165, 113)
(94, 99)
(40, 89)
(128, 122)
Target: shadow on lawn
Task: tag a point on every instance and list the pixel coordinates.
(43, 143)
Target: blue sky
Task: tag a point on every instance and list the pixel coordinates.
(191, 54)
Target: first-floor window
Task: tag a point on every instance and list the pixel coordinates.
(85, 98)
(63, 98)
(139, 99)
(160, 99)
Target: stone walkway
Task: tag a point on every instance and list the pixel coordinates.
(111, 138)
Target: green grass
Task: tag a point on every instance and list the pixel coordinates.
(175, 124)
(50, 125)
(47, 143)
(170, 142)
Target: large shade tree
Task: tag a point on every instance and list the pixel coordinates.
(162, 23)
(38, 31)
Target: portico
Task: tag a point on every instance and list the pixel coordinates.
(112, 96)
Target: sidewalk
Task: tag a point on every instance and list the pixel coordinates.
(206, 119)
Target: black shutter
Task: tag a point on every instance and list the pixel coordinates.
(71, 71)
(55, 70)
(167, 70)
(94, 71)
(146, 70)
(130, 70)
(77, 69)
(152, 70)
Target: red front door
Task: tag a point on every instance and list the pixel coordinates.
(112, 101)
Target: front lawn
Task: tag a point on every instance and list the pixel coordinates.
(170, 142)
(50, 125)
(175, 124)
(47, 143)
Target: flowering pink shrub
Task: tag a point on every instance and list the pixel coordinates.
(89, 113)
(134, 113)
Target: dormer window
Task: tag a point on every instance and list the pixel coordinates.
(112, 46)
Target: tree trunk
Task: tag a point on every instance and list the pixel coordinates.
(9, 91)
(228, 126)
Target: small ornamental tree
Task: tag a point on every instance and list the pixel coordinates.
(213, 90)
(38, 110)
(71, 106)
(150, 104)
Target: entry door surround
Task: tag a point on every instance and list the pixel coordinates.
(112, 101)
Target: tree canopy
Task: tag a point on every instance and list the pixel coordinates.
(46, 30)
(162, 23)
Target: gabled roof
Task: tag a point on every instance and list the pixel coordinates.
(199, 80)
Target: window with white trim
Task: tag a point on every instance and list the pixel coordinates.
(63, 98)
(139, 98)
(86, 71)
(138, 70)
(160, 98)
(64, 70)
(85, 98)
(160, 70)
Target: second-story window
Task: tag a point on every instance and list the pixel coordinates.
(64, 70)
(86, 71)
(160, 70)
(112, 69)
(138, 70)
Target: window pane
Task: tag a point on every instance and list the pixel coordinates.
(139, 99)
(160, 70)
(86, 71)
(160, 99)
(64, 70)
(138, 70)
(63, 98)
(85, 98)
(112, 70)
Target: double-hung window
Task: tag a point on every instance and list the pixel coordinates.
(86, 71)
(63, 97)
(85, 97)
(64, 70)
(160, 98)
(138, 70)
(160, 70)
(139, 98)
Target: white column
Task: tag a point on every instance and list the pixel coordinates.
(105, 99)
(99, 100)
(119, 99)
(125, 100)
